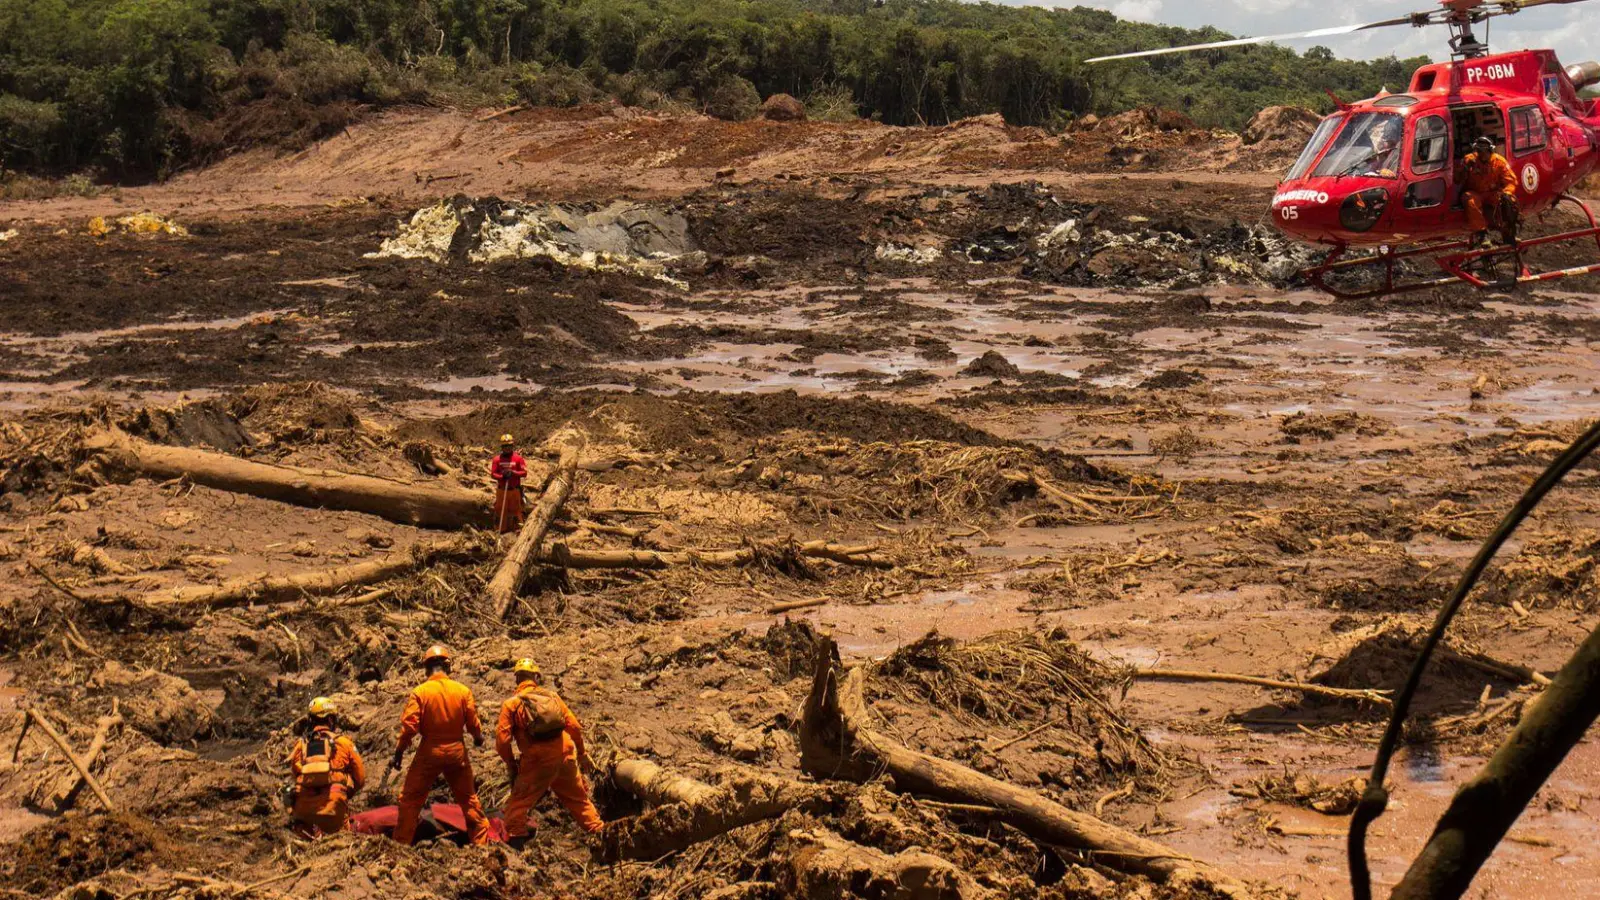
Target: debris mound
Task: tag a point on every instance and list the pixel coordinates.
(138, 223)
(65, 851)
(1558, 570)
(295, 412)
(1380, 656)
(783, 108)
(1327, 426)
(1304, 791)
(1005, 677)
(623, 237)
(992, 364)
(1281, 123)
(1147, 121)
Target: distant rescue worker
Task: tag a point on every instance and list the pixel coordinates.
(508, 470)
(536, 723)
(440, 710)
(1489, 193)
(327, 771)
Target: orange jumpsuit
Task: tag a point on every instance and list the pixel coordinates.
(1485, 185)
(325, 809)
(546, 765)
(508, 471)
(440, 710)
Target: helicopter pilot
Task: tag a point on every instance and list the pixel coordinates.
(1384, 160)
(1489, 194)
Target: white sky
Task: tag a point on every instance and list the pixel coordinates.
(1573, 31)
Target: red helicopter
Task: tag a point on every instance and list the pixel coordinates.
(1382, 173)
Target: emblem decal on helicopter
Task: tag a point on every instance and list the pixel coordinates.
(1530, 178)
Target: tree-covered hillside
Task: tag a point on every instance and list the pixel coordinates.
(145, 86)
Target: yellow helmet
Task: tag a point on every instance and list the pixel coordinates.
(437, 651)
(506, 439)
(526, 667)
(322, 706)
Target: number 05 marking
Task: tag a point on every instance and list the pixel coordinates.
(1290, 213)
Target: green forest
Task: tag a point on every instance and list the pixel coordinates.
(141, 88)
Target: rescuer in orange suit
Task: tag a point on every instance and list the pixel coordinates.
(327, 771)
(441, 710)
(1489, 193)
(538, 723)
(508, 469)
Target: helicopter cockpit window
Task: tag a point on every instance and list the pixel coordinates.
(1396, 101)
(1314, 146)
(1369, 146)
(1432, 149)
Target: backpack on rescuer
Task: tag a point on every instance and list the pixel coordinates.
(317, 768)
(542, 717)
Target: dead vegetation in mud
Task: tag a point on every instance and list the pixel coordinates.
(209, 693)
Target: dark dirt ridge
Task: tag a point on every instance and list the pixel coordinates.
(293, 297)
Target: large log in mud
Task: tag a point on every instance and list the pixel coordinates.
(696, 812)
(507, 580)
(423, 505)
(566, 557)
(320, 582)
(653, 784)
(836, 742)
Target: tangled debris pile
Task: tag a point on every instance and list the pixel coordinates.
(1306, 791)
(622, 237)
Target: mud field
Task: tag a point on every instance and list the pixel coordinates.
(1019, 425)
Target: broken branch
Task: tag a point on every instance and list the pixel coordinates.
(103, 727)
(1371, 696)
(321, 582)
(560, 554)
(797, 604)
(66, 750)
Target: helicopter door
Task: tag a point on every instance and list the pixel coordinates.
(1427, 195)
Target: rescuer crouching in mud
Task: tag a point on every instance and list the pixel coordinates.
(327, 771)
(1489, 194)
(537, 724)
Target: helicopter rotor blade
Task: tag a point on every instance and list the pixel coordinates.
(1512, 6)
(1245, 42)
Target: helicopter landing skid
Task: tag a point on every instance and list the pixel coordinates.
(1461, 263)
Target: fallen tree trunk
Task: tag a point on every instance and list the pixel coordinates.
(703, 812)
(103, 727)
(321, 582)
(560, 554)
(1370, 696)
(507, 581)
(836, 742)
(423, 505)
(653, 784)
